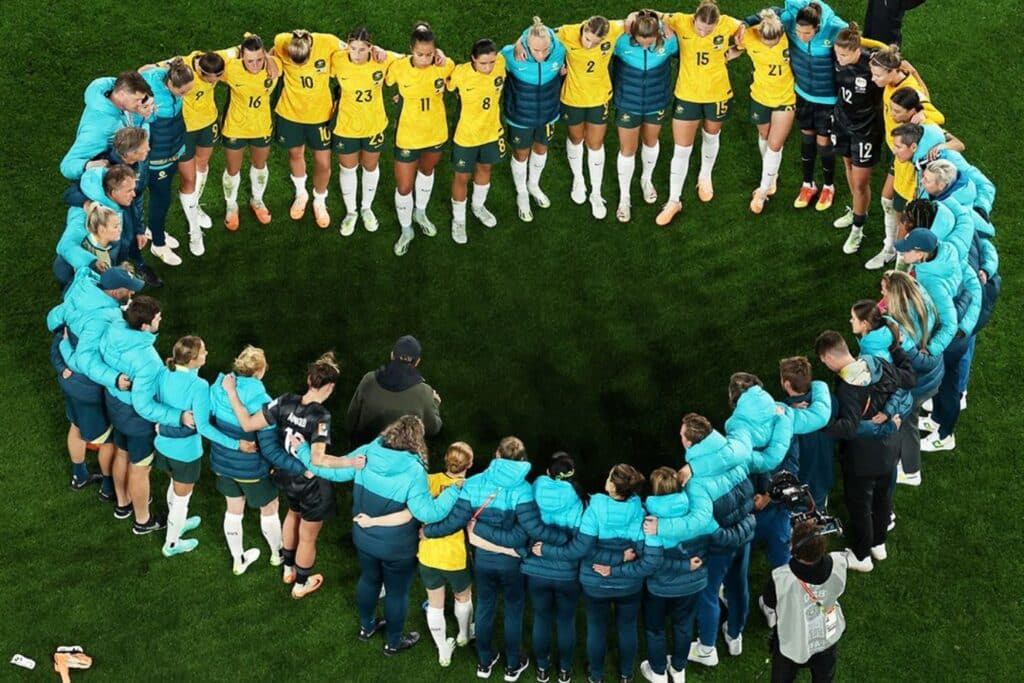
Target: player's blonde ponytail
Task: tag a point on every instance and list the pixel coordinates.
(538, 31)
(300, 46)
(98, 216)
(771, 27)
(888, 58)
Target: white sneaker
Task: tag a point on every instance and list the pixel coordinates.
(539, 196)
(195, 243)
(844, 221)
(701, 656)
(649, 192)
(880, 259)
(444, 656)
(482, 214)
(597, 207)
(735, 644)
(579, 191)
(348, 224)
(248, 557)
(419, 217)
(623, 213)
(933, 444)
(523, 204)
(169, 239)
(879, 553)
(852, 244)
(404, 240)
(927, 424)
(769, 614)
(926, 407)
(648, 673)
(677, 676)
(907, 479)
(166, 254)
(370, 221)
(459, 232)
(203, 219)
(963, 401)
(856, 565)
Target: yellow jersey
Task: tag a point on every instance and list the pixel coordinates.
(361, 109)
(703, 77)
(199, 107)
(588, 82)
(306, 96)
(422, 120)
(480, 103)
(773, 84)
(904, 175)
(248, 112)
(448, 553)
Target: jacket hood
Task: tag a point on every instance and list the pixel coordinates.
(932, 136)
(668, 505)
(84, 293)
(250, 390)
(396, 375)
(386, 462)
(862, 372)
(96, 95)
(619, 514)
(125, 340)
(711, 444)
(755, 408)
(529, 55)
(92, 187)
(876, 342)
(506, 473)
(557, 499)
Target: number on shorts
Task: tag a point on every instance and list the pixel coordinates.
(721, 108)
(549, 130)
(306, 81)
(501, 146)
(377, 140)
(846, 94)
(703, 59)
(216, 130)
(590, 67)
(364, 95)
(486, 104)
(424, 104)
(325, 134)
(865, 150)
(255, 102)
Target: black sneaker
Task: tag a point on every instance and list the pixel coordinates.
(122, 511)
(484, 670)
(512, 674)
(407, 641)
(564, 676)
(543, 675)
(106, 497)
(149, 276)
(79, 484)
(365, 635)
(155, 523)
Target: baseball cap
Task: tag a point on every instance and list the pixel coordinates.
(407, 348)
(918, 239)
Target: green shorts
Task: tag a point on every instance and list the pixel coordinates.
(410, 155)
(574, 116)
(317, 136)
(524, 138)
(465, 159)
(899, 202)
(761, 114)
(695, 111)
(374, 143)
(242, 143)
(458, 579)
(204, 137)
(256, 493)
(181, 472)
(628, 120)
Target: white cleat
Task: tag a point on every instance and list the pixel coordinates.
(483, 215)
(195, 243)
(769, 614)
(348, 224)
(649, 192)
(459, 233)
(419, 217)
(370, 221)
(404, 240)
(844, 221)
(444, 656)
(243, 563)
(852, 244)
(169, 239)
(579, 191)
(203, 219)
(597, 207)
(623, 213)
(880, 259)
(539, 196)
(878, 552)
(523, 204)
(166, 254)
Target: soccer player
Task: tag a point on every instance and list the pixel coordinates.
(531, 108)
(702, 94)
(92, 238)
(772, 97)
(304, 113)
(641, 73)
(181, 387)
(361, 125)
(421, 133)
(248, 123)
(479, 141)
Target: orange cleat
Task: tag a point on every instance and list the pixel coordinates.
(288, 575)
(807, 193)
(775, 186)
(668, 212)
(705, 190)
(298, 209)
(313, 583)
(261, 211)
(323, 219)
(828, 193)
(757, 201)
(231, 219)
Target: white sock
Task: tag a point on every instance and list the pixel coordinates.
(537, 163)
(177, 513)
(404, 206)
(319, 199)
(770, 163)
(762, 144)
(648, 160)
(300, 185)
(233, 535)
(626, 166)
(170, 494)
(189, 205)
(459, 211)
(347, 179)
(677, 173)
(891, 220)
(231, 183)
(438, 627)
(200, 183)
(464, 615)
(595, 166)
(575, 155)
(708, 154)
(270, 525)
(424, 186)
(258, 179)
(519, 169)
(480, 194)
(370, 180)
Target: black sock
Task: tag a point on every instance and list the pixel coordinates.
(302, 574)
(859, 219)
(808, 150)
(288, 556)
(828, 163)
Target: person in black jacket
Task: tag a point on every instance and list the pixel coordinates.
(884, 20)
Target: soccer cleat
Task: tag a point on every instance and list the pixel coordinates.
(166, 254)
(649, 192)
(623, 213)
(705, 189)
(463, 642)
(184, 545)
(523, 205)
(878, 552)
(298, 209)
(512, 674)
(539, 196)
(459, 233)
(407, 641)
(261, 211)
(313, 583)
(735, 644)
(758, 200)
(195, 243)
(668, 212)
(288, 575)
(242, 563)
(597, 207)
(105, 496)
(769, 614)
(771, 193)
(276, 559)
(828, 193)
(880, 259)
(321, 215)
(852, 243)
(648, 673)
(483, 215)
(404, 240)
(370, 221)
(927, 424)
(155, 523)
(348, 224)
(578, 194)
(844, 221)
(378, 626)
(231, 217)
(702, 655)
(191, 523)
(169, 239)
(807, 193)
(444, 655)
(203, 219)
(484, 670)
(856, 565)
(79, 484)
(419, 217)
(934, 443)
(123, 511)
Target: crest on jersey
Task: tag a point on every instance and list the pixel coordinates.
(322, 429)
(267, 84)
(785, 54)
(605, 46)
(438, 84)
(320, 65)
(498, 81)
(719, 41)
(860, 83)
(378, 76)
